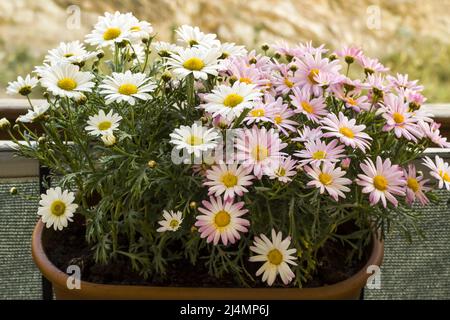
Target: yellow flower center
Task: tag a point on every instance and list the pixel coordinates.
(398, 118)
(325, 178)
(307, 107)
(260, 153)
(194, 64)
(245, 80)
(312, 74)
(380, 183)
(413, 184)
(222, 219)
(288, 83)
(444, 175)
(174, 223)
(232, 100)
(128, 89)
(258, 113)
(318, 155)
(104, 125)
(347, 132)
(67, 84)
(281, 172)
(278, 119)
(194, 140)
(111, 33)
(58, 208)
(352, 101)
(135, 28)
(229, 180)
(275, 257)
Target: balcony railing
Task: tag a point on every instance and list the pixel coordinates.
(11, 166)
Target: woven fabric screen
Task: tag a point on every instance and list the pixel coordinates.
(420, 270)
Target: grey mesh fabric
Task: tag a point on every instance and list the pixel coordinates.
(420, 270)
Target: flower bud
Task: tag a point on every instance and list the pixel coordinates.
(332, 57)
(151, 164)
(349, 59)
(265, 47)
(13, 191)
(345, 163)
(166, 76)
(25, 90)
(4, 123)
(193, 205)
(109, 140)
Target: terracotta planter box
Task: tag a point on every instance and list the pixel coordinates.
(347, 289)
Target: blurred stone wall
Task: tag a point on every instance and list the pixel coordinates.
(381, 27)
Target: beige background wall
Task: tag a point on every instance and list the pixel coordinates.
(409, 36)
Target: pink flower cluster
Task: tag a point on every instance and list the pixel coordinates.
(310, 121)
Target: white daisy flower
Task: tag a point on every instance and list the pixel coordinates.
(165, 49)
(229, 102)
(103, 124)
(328, 178)
(126, 87)
(70, 52)
(33, 114)
(228, 180)
(192, 36)
(22, 86)
(194, 139)
(197, 61)
(440, 170)
(111, 29)
(66, 80)
(139, 29)
(276, 256)
(231, 50)
(172, 221)
(56, 208)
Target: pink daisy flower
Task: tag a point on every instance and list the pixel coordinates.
(308, 134)
(328, 178)
(280, 114)
(317, 152)
(285, 169)
(439, 170)
(221, 220)
(350, 54)
(382, 181)
(302, 49)
(371, 65)
(259, 113)
(346, 130)
(228, 180)
(357, 103)
(239, 68)
(415, 186)
(259, 149)
(309, 66)
(431, 131)
(284, 80)
(399, 119)
(314, 109)
(401, 82)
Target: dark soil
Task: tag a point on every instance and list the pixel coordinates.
(67, 247)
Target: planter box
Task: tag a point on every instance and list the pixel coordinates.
(347, 289)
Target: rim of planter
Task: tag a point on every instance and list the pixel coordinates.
(90, 290)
